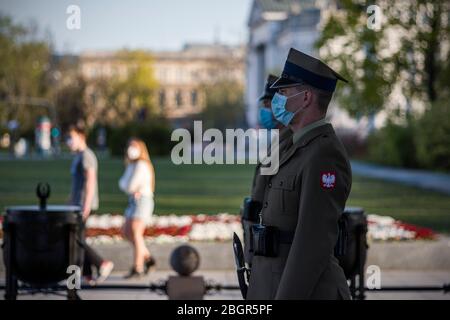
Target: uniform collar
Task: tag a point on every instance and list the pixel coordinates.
(303, 131)
(325, 128)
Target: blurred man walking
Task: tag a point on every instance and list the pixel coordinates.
(84, 193)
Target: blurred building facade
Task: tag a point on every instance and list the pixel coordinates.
(274, 27)
(180, 75)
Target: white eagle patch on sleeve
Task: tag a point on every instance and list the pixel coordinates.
(328, 180)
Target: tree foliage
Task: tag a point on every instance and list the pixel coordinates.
(24, 61)
(112, 100)
(224, 105)
(410, 52)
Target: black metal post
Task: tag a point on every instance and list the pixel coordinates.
(10, 277)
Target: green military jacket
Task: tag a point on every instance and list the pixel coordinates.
(306, 197)
(259, 181)
(258, 189)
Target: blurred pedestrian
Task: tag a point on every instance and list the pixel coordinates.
(84, 193)
(138, 182)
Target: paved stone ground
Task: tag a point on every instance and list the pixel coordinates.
(407, 255)
(416, 178)
(418, 263)
(389, 278)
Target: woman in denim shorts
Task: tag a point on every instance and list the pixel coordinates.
(138, 182)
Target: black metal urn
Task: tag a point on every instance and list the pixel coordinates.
(40, 243)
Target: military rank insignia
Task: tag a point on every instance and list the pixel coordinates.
(328, 179)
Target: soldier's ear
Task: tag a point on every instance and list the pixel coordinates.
(308, 96)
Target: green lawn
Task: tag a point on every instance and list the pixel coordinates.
(207, 189)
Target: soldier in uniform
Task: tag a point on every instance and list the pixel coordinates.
(294, 242)
(253, 205)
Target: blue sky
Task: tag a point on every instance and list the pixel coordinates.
(151, 24)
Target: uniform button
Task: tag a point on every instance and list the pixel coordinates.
(270, 184)
(265, 204)
(281, 183)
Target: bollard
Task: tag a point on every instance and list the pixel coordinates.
(185, 260)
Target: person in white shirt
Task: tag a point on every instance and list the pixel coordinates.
(138, 182)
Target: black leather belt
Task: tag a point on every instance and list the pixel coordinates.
(266, 240)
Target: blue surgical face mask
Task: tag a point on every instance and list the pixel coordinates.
(279, 108)
(266, 118)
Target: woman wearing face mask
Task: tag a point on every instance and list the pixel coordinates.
(138, 182)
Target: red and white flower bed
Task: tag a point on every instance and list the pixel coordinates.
(168, 228)
(172, 228)
(387, 228)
